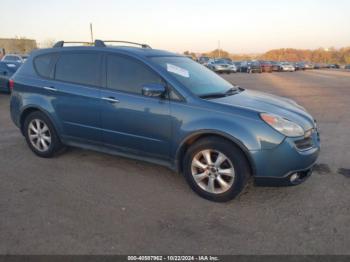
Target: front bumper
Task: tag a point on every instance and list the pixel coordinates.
(288, 69)
(278, 165)
(293, 179)
(222, 70)
(254, 70)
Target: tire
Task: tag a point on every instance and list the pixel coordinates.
(217, 182)
(48, 138)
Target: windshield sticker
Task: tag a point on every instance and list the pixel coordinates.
(178, 70)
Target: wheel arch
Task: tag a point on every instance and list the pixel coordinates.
(189, 140)
(30, 109)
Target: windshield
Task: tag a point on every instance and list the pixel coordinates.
(195, 77)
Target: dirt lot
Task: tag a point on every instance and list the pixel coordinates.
(85, 202)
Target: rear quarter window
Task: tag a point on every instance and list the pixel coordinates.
(44, 65)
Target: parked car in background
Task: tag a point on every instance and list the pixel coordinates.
(299, 66)
(238, 65)
(163, 108)
(13, 58)
(221, 66)
(13, 65)
(276, 67)
(203, 60)
(251, 67)
(6, 73)
(233, 67)
(309, 66)
(347, 67)
(266, 66)
(317, 66)
(334, 66)
(287, 67)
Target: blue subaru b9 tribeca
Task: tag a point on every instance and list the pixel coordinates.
(163, 108)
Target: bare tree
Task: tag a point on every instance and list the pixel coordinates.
(47, 43)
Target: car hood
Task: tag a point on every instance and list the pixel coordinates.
(267, 103)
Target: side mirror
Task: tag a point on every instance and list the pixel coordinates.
(153, 90)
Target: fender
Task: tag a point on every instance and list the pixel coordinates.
(208, 132)
(46, 109)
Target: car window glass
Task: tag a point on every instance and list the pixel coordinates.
(11, 58)
(195, 77)
(79, 68)
(44, 65)
(129, 75)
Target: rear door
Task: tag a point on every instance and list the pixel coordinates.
(132, 122)
(76, 94)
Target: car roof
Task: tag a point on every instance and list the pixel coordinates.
(143, 52)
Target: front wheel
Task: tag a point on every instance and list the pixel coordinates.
(216, 169)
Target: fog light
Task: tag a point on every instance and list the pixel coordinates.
(294, 177)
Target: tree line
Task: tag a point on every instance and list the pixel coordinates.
(321, 55)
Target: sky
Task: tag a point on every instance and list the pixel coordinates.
(253, 26)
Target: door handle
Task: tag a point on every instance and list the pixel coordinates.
(110, 99)
(49, 88)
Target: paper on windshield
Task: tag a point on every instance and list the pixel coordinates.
(178, 70)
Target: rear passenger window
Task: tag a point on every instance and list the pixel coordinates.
(78, 68)
(129, 75)
(44, 65)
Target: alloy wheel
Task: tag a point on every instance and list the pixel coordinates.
(39, 135)
(213, 171)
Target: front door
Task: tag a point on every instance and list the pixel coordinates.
(131, 122)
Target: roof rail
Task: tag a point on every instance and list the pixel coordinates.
(101, 43)
(62, 43)
(98, 43)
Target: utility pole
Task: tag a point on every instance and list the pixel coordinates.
(219, 48)
(91, 33)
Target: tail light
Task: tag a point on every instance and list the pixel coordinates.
(11, 84)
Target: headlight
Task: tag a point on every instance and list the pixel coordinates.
(283, 125)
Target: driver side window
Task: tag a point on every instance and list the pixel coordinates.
(129, 75)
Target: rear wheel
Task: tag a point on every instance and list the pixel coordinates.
(41, 135)
(216, 169)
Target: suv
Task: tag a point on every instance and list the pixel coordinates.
(163, 108)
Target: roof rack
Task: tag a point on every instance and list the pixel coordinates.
(62, 43)
(100, 43)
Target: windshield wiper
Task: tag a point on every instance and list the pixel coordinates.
(232, 91)
(213, 95)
